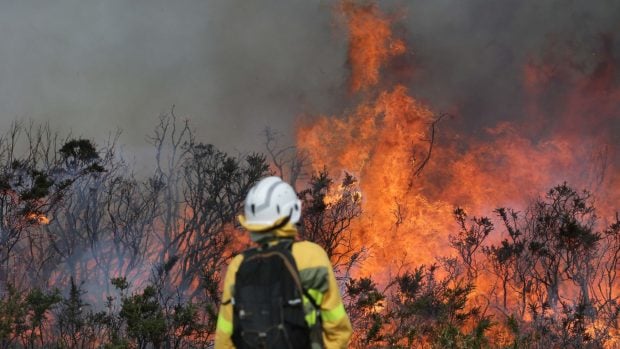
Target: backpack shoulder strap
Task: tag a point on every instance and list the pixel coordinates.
(286, 245)
(249, 252)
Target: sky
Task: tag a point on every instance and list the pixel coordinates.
(231, 67)
(234, 67)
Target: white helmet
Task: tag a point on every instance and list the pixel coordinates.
(269, 201)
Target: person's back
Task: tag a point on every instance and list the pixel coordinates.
(271, 210)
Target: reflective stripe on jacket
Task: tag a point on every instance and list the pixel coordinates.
(317, 277)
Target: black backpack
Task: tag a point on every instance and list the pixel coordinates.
(268, 310)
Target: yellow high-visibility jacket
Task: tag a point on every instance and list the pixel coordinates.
(317, 277)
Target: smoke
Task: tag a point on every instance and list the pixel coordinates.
(235, 67)
(470, 55)
(231, 67)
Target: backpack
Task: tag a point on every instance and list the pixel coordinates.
(268, 309)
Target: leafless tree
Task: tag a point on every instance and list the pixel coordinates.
(37, 170)
(215, 186)
(203, 191)
(288, 162)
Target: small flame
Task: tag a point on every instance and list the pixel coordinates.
(38, 218)
(339, 192)
(371, 43)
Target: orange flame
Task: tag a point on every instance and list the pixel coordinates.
(371, 43)
(38, 218)
(406, 218)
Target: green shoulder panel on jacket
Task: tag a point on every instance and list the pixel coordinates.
(315, 278)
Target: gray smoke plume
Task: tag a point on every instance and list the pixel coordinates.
(472, 53)
(231, 67)
(234, 67)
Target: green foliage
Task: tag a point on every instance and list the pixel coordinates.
(39, 189)
(144, 317)
(416, 310)
(365, 293)
(186, 322)
(364, 305)
(452, 337)
(39, 303)
(142, 320)
(80, 155)
(320, 184)
(78, 151)
(76, 325)
(13, 312)
(120, 283)
(430, 310)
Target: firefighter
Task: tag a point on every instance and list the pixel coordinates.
(272, 209)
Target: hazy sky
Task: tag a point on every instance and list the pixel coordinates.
(234, 67)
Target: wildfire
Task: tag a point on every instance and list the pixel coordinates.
(385, 136)
(380, 142)
(406, 219)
